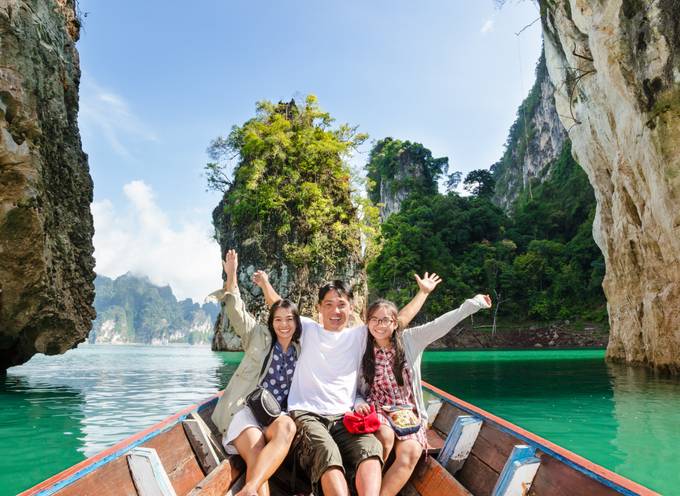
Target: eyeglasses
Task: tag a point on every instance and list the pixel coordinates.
(377, 322)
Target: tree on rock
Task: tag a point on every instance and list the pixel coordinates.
(288, 205)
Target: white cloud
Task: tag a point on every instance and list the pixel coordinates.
(104, 113)
(141, 239)
(487, 27)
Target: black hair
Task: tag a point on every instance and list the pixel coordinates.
(288, 304)
(339, 287)
(368, 361)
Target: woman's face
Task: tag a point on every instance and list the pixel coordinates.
(381, 324)
(284, 323)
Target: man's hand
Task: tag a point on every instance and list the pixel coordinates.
(261, 278)
(428, 282)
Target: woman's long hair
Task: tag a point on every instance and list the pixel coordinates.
(368, 362)
(286, 304)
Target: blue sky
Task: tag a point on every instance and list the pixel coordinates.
(160, 80)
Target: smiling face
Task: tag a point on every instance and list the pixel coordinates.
(335, 311)
(283, 323)
(382, 322)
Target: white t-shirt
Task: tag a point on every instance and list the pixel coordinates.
(325, 378)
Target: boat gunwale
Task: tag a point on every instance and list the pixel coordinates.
(577, 462)
(76, 472)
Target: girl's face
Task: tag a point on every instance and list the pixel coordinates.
(382, 324)
(284, 323)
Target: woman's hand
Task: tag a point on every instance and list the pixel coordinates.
(230, 264)
(261, 278)
(428, 282)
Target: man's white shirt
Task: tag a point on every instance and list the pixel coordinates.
(325, 378)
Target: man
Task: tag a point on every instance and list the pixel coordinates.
(324, 389)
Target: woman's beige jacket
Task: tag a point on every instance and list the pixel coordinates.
(257, 343)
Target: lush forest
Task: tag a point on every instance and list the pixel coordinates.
(539, 264)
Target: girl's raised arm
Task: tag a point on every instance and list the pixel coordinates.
(426, 285)
(427, 333)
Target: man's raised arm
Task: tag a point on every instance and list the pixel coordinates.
(261, 278)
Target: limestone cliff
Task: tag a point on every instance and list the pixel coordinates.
(131, 309)
(46, 263)
(616, 69)
(397, 169)
(534, 143)
(289, 210)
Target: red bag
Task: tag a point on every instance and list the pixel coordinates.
(356, 423)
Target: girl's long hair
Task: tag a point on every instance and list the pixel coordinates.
(368, 362)
(286, 304)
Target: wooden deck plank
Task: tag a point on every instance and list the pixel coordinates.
(435, 442)
(446, 417)
(555, 478)
(431, 479)
(477, 476)
(199, 438)
(112, 478)
(494, 446)
(218, 482)
(178, 459)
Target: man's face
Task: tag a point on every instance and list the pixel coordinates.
(335, 311)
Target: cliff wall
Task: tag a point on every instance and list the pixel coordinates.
(615, 66)
(535, 141)
(46, 263)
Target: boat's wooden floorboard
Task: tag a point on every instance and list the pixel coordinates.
(431, 479)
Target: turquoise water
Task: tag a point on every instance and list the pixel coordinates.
(56, 411)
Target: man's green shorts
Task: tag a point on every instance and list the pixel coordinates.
(324, 442)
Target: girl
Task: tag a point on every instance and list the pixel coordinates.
(391, 376)
(270, 356)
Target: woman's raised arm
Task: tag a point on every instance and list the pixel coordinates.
(242, 321)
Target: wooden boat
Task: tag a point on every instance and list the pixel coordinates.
(472, 452)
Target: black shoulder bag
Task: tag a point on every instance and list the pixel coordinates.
(262, 402)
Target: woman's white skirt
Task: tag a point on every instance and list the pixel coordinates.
(243, 420)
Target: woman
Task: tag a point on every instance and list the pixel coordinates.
(391, 377)
(269, 361)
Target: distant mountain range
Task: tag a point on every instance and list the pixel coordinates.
(130, 309)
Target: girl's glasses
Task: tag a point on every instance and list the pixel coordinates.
(377, 322)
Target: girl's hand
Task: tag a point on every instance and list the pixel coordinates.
(261, 278)
(486, 299)
(362, 409)
(428, 282)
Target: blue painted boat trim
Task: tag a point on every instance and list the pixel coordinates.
(454, 436)
(603, 480)
(113, 456)
(521, 455)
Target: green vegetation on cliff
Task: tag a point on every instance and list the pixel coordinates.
(410, 167)
(288, 204)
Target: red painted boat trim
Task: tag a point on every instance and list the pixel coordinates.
(569, 455)
(117, 447)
